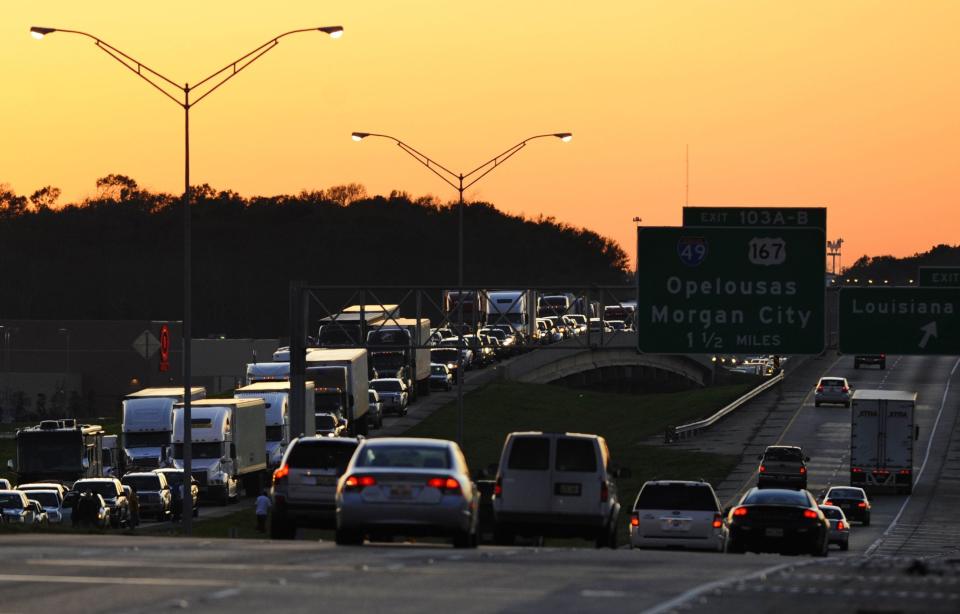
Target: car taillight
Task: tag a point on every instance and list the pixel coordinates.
(359, 481)
(762, 469)
(498, 487)
(862, 504)
(856, 470)
(604, 490)
(845, 389)
(828, 502)
(282, 472)
(445, 484)
(904, 472)
(739, 511)
(634, 520)
(803, 470)
(717, 521)
(809, 514)
(840, 525)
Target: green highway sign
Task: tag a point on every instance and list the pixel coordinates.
(939, 277)
(900, 320)
(776, 217)
(730, 290)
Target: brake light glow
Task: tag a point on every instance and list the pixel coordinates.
(498, 488)
(856, 470)
(862, 504)
(803, 470)
(819, 388)
(604, 490)
(359, 481)
(828, 502)
(740, 511)
(282, 472)
(845, 389)
(634, 520)
(840, 525)
(762, 469)
(904, 472)
(809, 514)
(717, 521)
(447, 485)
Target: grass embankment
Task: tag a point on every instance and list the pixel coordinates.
(626, 421)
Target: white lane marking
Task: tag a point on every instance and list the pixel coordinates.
(926, 457)
(601, 593)
(227, 592)
(165, 565)
(107, 580)
(698, 591)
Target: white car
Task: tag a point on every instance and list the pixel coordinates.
(673, 513)
(393, 394)
(839, 526)
(51, 502)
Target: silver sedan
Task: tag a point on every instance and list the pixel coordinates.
(839, 526)
(407, 486)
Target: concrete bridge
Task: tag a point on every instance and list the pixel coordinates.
(616, 359)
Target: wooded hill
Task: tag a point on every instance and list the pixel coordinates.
(119, 255)
(899, 271)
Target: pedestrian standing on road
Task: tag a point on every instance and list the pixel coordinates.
(263, 505)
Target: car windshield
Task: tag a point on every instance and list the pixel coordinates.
(783, 454)
(576, 455)
(107, 490)
(445, 355)
(46, 498)
(326, 422)
(833, 513)
(404, 455)
(8, 501)
(697, 497)
(326, 455)
(831, 382)
(776, 497)
(174, 478)
(386, 386)
(529, 453)
(846, 493)
(438, 370)
(141, 483)
(146, 440)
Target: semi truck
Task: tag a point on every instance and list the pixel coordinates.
(341, 380)
(400, 348)
(267, 372)
(58, 451)
(515, 308)
(473, 305)
(228, 441)
(882, 436)
(349, 328)
(147, 417)
(276, 399)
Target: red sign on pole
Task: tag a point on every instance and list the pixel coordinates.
(164, 348)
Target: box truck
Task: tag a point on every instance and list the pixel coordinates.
(349, 328)
(882, 435)
(147, 425)
(276, 399)
(228, 441)
(340, 375)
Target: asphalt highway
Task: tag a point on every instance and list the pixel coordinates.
(79, 573)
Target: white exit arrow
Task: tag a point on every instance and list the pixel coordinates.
(929, 330)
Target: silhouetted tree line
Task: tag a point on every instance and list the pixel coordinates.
(119, 255)
(901, 270)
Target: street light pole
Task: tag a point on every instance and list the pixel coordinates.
(456, 181)
(163, 84)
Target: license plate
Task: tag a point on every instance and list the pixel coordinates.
(400, 492)
(774, 532)
(675, 524)
(567, 490)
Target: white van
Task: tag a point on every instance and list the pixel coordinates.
(556, 485)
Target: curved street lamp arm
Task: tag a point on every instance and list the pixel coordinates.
(423, 159)
(496, 161)
(245, 60)
(132, 64)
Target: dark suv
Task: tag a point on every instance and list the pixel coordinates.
(870, 359)
(783, 467)
(305, 485)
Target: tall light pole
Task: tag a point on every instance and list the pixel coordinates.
(461, 182)
(66, 331)
(207, 86)
(636, 267)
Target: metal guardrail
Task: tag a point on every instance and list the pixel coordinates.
(674, 433)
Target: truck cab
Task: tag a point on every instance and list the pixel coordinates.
(147, 427)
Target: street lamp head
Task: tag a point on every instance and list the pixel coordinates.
(333, 31)
(359, 136)
(37, 32)
(566, 137)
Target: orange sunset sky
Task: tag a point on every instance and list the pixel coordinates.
(848, 104)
